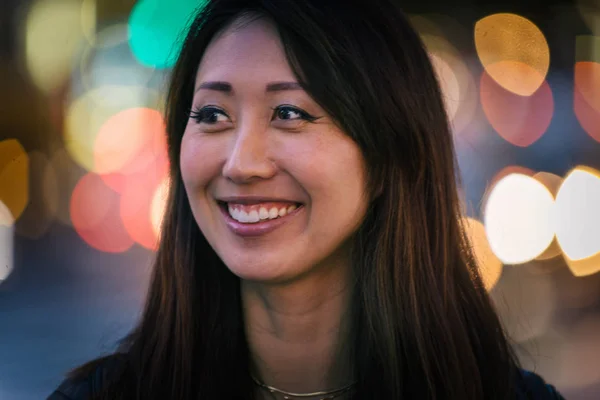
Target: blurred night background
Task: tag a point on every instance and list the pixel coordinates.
(83, 172)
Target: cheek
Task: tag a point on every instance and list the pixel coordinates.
(334, 176)
(199, 161)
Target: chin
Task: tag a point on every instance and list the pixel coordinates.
(261, 271)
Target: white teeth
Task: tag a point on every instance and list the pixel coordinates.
(273, 213)
(263, 213)
(255, 216)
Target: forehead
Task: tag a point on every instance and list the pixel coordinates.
(249, 47)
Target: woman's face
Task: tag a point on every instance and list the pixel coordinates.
(276, 188)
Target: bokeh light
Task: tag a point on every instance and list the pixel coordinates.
(69, 173)
(54, 33)
(578, 220)
(552, 182)
(87, 115)
(14, 177)
(513, 51)
(136, 201)
(504, 172)
(108, 60)
(129, 141)
(6, 242)
(587, 69)
(95, 216)
(518, 219)
(490, 266)
(586, 101)
(511, 169)
(43, 198)
(449, 83)
(137, 196)
(520, 120)
(457, 84)
(155, 28)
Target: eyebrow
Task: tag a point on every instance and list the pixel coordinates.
(226, 87)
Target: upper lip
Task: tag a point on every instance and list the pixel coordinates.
(253, 199)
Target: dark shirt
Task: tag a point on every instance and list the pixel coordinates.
(530, 386)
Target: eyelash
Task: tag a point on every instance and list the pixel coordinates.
(201, 115)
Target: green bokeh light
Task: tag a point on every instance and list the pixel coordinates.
(156, 30)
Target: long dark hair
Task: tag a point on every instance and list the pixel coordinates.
(424, 326)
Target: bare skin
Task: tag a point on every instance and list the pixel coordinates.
(297, 333)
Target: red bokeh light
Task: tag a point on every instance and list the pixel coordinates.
(520, 120)
(95, 215)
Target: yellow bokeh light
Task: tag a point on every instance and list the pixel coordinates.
(578, 220)
(490, 267)
(54, 32)
(89, 113)
(158, 206)
(14, 177)
(518, 219)
(514, 52)
(551, 181)
(515, 76)
(584, 266)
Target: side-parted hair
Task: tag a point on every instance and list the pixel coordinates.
(424, 326)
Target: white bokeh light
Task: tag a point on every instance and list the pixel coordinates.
(578, 220)
(518, 219)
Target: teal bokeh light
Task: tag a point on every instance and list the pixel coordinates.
(156, 28)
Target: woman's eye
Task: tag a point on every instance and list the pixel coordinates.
(290, 113)
(209, 115)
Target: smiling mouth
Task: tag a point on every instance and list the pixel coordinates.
(260, 212)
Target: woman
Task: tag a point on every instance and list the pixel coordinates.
(312, 241)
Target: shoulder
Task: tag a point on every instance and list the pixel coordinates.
(90, 378)
(531, 386)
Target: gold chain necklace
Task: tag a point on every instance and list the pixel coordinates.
(327, 395)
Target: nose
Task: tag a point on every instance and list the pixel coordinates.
(248, 159)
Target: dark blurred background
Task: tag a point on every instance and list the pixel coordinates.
(83, 172)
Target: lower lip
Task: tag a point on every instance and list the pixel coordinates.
(258, 228)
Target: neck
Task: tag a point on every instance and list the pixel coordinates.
(298, 333)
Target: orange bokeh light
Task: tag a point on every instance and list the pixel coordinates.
(520, 120)
(136, 202)
(129, 141)
(586, 102)
(511, 169)
(95, 216)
